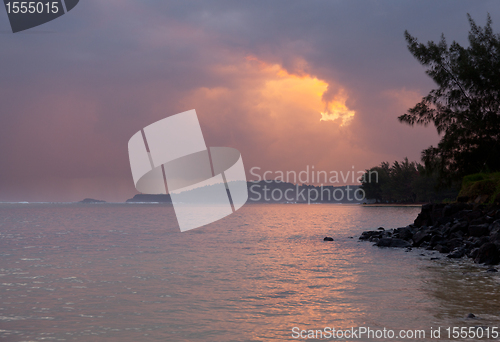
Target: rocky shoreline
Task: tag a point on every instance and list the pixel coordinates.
(457, 230)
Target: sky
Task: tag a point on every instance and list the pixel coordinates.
(290, 84)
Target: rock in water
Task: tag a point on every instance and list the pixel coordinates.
(328, 238)
(456, 254)
(404, 233)
(442, 249)
(421, 236)
(368, 234)
(488, 254)
(392, 242)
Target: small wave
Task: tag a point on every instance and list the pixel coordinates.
(13, 318)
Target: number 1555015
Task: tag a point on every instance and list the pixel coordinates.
(32, 7)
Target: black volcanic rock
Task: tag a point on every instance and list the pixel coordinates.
(457, 253)
(457, 230)
(442, 249)
(421, 236)
(368, 234)
(404, 233)
(488, 254)
(392, 242)
(479, 230)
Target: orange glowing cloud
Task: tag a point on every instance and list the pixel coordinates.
(274, 93)
(278, 118)
(337, 109)
(304, 91)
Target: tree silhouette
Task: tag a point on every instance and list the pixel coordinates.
(465, 107)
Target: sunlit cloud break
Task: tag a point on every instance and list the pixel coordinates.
(337, 110)
(305, 90)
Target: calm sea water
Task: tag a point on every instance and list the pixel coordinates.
(123, 272)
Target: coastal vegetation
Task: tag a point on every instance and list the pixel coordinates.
(404, 182)
(481, 188)
(465, 109)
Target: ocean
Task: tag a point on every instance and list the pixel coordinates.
(124, 272)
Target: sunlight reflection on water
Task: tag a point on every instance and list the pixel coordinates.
(125, 273)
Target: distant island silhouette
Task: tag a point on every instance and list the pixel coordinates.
(278, 192)
(147, 198)
(91, 200)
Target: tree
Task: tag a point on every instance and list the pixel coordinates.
(403, 175)
(375, 181)
(465, 107)
(403, 182)
(394, 183)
